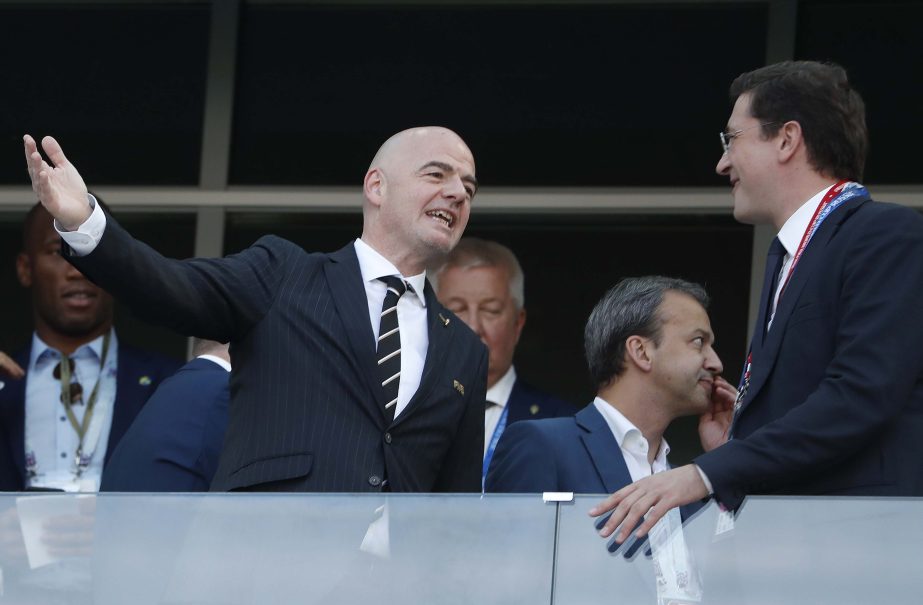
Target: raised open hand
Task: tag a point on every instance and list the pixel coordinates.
(58, 185)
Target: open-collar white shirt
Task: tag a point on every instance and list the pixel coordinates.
(50, 439)
(633, 445)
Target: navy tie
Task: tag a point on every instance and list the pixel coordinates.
(389, 344)
(774, 261)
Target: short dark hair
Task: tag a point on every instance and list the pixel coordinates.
(630, 308)
(819, 97)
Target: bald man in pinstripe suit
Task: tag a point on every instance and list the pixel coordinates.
(309, 410)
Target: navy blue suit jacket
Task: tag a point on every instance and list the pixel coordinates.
(577, 454)
(835, 404)
(528, 403)
(139, 373)
(174, 443)
(307, 409)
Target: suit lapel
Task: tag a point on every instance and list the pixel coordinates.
(764, 356)
(603, 449)
(441, 332)
(345, 281)
(516, 404)
(131, 392)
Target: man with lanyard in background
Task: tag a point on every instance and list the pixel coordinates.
(831, 397)
(482, 282)
(60, 420)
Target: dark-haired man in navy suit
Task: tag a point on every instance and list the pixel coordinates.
(348, 374)
(831, 394)
(482, 282)
(649, 349)
(109, 380)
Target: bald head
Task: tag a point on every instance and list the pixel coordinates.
(418, 192)
(399, 145)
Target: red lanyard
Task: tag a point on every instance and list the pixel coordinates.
(812, 227)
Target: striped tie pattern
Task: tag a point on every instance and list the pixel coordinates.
(389, 343)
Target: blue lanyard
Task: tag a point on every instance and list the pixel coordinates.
(501, 425)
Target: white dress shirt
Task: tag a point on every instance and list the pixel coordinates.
(50, 440)
(499, 394)
(790, 236)
(411, 317)
(632, 443)
(216, 360)
(677, 578)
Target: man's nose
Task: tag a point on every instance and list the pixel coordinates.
(713, 362)
(455, 189)
(724, 164)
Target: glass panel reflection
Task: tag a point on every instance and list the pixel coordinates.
(279, 548)
(779, 550)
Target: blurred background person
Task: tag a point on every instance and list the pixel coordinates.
(482, 283)
(81, 388)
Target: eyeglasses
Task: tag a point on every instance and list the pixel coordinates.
(76, 389)
(727, 137)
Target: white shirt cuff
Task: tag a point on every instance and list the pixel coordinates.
(87, 236)
(711, 491)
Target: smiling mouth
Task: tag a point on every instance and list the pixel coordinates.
(441, 215)
(79, 296)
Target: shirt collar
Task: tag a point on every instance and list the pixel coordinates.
(500, 392)
(92, 349)
(218, 360)
(373, 265)
(793, 230)
(626, 434)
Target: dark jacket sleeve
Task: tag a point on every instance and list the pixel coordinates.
(218, 299)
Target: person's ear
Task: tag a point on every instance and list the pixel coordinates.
(24, 269)
(374, 186)
(638, 351)
(790, 140)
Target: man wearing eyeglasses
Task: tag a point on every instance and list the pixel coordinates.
(830, 399)
(61, 417)
(348, 374)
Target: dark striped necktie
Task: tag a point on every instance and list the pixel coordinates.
(389, 343)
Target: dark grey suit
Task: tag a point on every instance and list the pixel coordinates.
(307, 413)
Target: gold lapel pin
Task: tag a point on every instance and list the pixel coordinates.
(445, 321)
(458, 386)
(533, 409)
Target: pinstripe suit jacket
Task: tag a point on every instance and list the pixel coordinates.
(307, 413)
